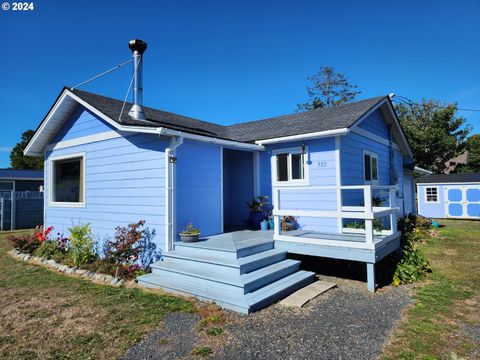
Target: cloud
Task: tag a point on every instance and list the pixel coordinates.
(5, 149)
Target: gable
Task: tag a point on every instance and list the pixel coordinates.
(82, 122)
(375, 123)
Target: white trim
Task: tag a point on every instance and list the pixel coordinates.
(221, 192)
(107, 135)
(290, 182)
(256, 173)
(51, 184)
(422, 170)
(365, 133)
(338, 182)
(318, 134)
(372, 155)
(399, 129)
(170, 194)
(425, 195)
(417, 196)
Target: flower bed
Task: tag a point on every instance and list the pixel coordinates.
(126, 256)
(103, 278)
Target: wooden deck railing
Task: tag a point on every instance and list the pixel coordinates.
(367, 212)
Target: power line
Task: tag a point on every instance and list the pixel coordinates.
(405, 100)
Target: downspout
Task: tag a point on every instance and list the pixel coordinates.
(170, 213)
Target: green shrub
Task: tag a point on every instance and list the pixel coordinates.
(81, 246)
(50, 249)
(413, 265)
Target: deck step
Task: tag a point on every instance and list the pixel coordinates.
(278, 290)
(240, 284)
(231, 251)
(244, 304)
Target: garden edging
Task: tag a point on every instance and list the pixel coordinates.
(90, 275)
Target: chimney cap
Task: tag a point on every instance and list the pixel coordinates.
(137, 45)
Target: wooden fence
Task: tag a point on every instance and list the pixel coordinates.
(20, 209)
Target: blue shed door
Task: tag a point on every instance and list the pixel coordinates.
(462, 201)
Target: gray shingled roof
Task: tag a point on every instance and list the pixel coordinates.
(21, 174)
(338, 117)
(448, 178)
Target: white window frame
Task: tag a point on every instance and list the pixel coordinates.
(372, 155)
(51, 185)
(290, 181)
(425, 194)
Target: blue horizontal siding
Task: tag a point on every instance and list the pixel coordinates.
(81, 123)
(319, 151)
(125, 183)
(432, 210)
(375, 124)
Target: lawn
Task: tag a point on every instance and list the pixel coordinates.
(48, 315)
(444, 322)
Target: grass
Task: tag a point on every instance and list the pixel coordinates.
(202, 350)
(49, 315)
(447, 304)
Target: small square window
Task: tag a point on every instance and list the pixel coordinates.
(67, 181)
(289, 167)
(431, 194)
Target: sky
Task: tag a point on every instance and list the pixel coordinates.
(233, 61)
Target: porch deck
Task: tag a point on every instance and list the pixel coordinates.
(232, 241)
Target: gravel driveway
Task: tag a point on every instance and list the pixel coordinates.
(345, 323)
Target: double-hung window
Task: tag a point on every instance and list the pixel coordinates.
(431, 194)
(67, 181)
(370, 167)
(289, 167)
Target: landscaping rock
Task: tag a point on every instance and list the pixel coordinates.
(81, 271)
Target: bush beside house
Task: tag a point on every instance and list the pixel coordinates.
(128, 255)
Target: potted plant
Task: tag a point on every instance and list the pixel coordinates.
(264, 225)
(190, 233)
(257, 210)
(288, 223)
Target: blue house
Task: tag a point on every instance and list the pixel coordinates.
(344, 174)
(455, 196)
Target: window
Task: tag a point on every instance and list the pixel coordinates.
(289, 166)
(67, 180)
(431, 194)
(370, 166)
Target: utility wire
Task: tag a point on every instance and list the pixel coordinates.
(405, 100)
(104, 73)
(128, 92)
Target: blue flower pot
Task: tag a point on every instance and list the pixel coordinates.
(271, 224)
(264, 225)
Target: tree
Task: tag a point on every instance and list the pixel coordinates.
(473, 148)
(19, 161)
(435, 132)
(328, 89)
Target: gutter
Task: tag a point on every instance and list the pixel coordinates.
(318, 134)
(170, 215)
